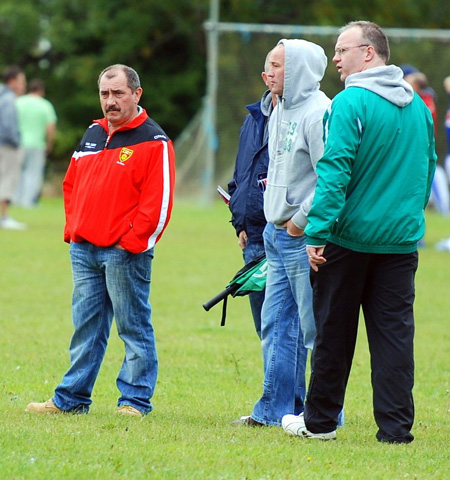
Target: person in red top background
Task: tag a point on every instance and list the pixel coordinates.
(446, 83)
(118, 196)
(440, 195)
(419, 81)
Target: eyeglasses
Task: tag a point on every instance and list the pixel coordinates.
(340, 51)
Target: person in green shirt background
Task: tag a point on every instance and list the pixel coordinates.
(37, 125)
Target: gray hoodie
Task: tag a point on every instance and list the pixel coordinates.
(9, 127)
(385, 81)
(296, 135)
(266, 109)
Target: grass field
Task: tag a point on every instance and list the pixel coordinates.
(209, 375)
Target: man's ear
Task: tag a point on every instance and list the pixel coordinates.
(264, 77)
(370, 53)
(138, 94)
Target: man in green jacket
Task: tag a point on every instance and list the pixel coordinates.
(374, 181)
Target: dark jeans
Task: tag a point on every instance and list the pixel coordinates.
(383, 284)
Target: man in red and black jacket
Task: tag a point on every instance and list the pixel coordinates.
(118, 196)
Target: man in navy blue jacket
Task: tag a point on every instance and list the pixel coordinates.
(247, 187)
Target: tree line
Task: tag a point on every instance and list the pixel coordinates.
(68, 42)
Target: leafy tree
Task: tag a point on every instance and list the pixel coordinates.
(68, 42)
(19, 32)
(388, 13)
(163, 41)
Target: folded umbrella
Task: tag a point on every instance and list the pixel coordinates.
(250, 278)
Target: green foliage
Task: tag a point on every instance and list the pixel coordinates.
(394, 13)
(161, 40)
(19, 32)
(67, 43)
(208, 375)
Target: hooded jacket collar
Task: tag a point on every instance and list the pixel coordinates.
(386, 81)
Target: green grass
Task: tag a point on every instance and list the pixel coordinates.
(209, 375)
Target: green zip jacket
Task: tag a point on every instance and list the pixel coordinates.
(375, 176)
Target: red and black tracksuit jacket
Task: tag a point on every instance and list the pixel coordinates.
(119, 188)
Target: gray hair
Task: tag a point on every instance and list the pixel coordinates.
(133, 81)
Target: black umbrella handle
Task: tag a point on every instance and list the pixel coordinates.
(215, 300)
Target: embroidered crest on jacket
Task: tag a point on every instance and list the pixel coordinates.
(125, 154)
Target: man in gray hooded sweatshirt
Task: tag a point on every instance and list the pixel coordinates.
(295, 145)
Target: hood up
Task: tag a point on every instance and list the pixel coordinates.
(304, 68)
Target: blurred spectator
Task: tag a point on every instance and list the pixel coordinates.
(422, 87)
(419, 82)
(444, 244)
(447, 127)
(10, 154)
(37, 122)
(440, 197)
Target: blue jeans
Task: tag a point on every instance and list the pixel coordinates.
(109, 282)
(32, 177)
(250, 252)
(288, 328)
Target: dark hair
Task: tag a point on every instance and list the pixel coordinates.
(11, 73)
(36, 85)
(373, 34)
(133, 81)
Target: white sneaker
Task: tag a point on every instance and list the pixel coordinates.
(9, 223)
(295, 425)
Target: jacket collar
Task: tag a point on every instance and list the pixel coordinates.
(136, 122)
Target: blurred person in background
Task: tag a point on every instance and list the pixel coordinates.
(419, 81)
(440, 195)
(10, 152)
(446, 84)
(444, 244)
(37, 123)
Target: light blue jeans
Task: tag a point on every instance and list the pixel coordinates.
(250, 252)
(109, 282)
(32, 177)
(288, 328)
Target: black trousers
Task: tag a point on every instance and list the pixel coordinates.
(383, 285)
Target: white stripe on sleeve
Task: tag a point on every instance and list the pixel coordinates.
(165, 200)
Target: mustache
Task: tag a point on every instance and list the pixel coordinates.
(112, 109)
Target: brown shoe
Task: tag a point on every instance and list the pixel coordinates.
(45, 407)
(129, 410)
(247, 421)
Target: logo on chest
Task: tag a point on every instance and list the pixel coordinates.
(124, 155)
